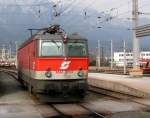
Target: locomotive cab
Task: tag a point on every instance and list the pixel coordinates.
(64, 65)
(62, 48)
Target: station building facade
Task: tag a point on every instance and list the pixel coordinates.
(119, 58)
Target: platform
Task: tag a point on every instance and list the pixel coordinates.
(138, 87)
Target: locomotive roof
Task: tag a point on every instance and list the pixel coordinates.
(57, 36)
(75, 36)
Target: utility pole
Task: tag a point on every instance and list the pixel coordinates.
(16, 62)
(98, 55)
(3, 53)
(136, 54)
(9, 52)
(111, 54)
(125, 61)
(102, 56)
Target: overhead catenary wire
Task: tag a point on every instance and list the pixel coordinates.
(70, 19)
(130, 11)
(107, 19)
(144, 5)
(39, 5)
(142, 11)
(69, 7)
(89, 5)
(58, 13)
(73, 22)
(79, 10)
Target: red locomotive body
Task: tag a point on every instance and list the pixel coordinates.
(54, 64)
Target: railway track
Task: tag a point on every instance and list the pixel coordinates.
(59, 110)
(76, 110)
(81, 112)
(11, 72)
(123, 97)
(115, 95)
(93, 114)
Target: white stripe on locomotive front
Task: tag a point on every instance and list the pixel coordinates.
(40, 75)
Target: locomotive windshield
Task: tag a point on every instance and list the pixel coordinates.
(57, 48)
(50, 48)
(77, 49)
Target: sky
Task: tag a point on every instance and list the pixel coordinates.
(122, 9)
(119, 9)
(106, 5)
(100, 5)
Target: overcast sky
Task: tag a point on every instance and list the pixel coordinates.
(119, 6)
(122, 8)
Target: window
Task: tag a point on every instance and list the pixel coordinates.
(50, 48)
(143, 54)
(77, 49)
(121, 60)
(121, 55)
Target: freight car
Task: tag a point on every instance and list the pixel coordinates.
(55, 64)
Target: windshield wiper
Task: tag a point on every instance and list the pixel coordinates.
(56, 44)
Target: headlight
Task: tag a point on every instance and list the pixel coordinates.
(48, 74)
(80, 74)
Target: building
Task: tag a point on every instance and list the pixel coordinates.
(4, 54)
(119, 58)
(7, 58)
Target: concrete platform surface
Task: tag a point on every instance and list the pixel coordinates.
(139, 87)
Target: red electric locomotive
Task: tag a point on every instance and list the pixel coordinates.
(54, 64)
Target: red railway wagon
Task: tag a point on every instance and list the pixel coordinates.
(53, 64)
(146, 66)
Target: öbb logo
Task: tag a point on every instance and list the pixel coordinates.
(65, 65)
